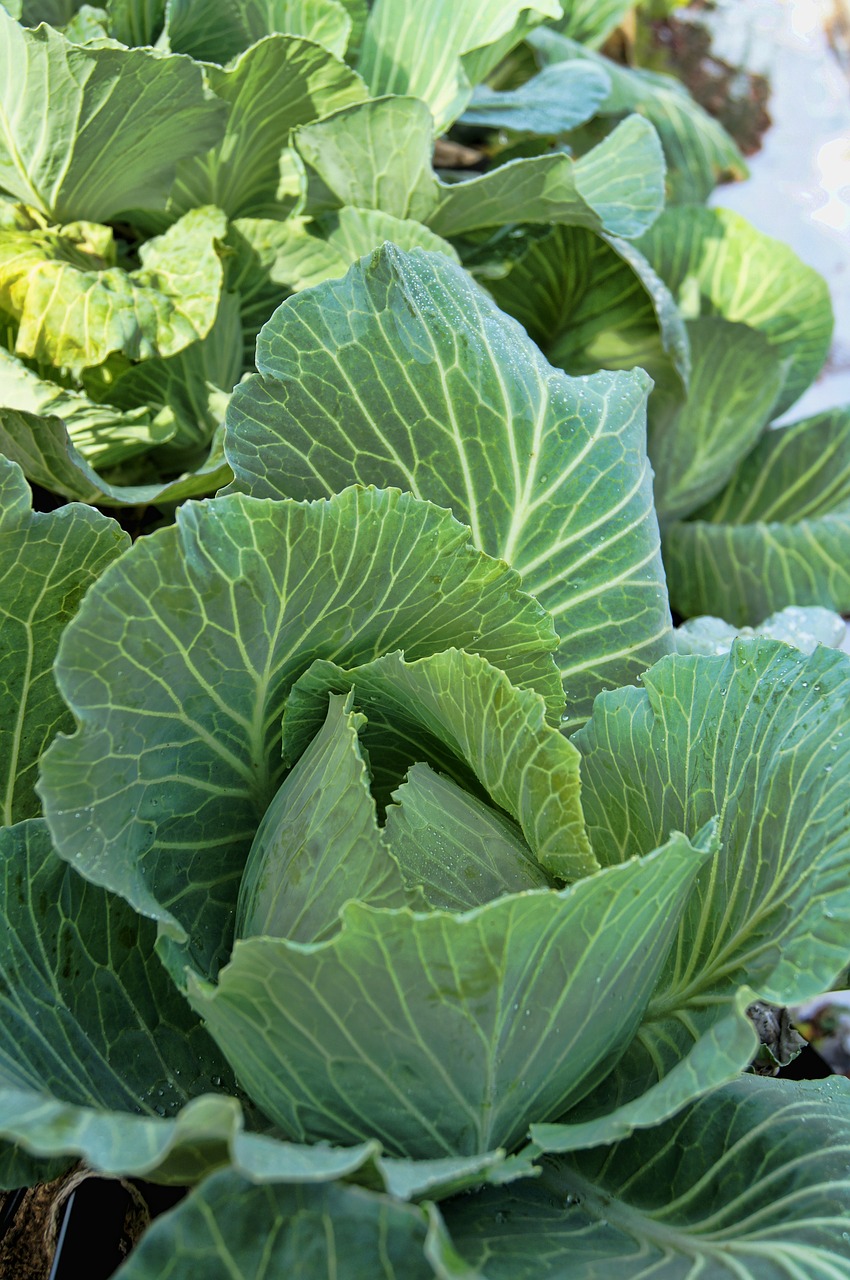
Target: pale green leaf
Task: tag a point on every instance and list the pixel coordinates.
(716, 263)
(374, 155)
(275, 86)
(697, 438)
(187, 392)
(88, 27)
(461, 851)
(446, 1034)
(558, 99)
(466, 712)
(750, 1183)
(229, 607)
(318, 845)
(416, 49)
(803, 628)
(74, 307)
(777, 535)
(405, 374)
(47, 563)
(103, 435)
(617, 187)
(591, 21)
(121, 121)
(47, 456)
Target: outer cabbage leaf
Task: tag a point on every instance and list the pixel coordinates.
(591, 21)
(48, 563)
(218, 30)
(716, 263)
(697, 438)
(135, 22)
(616, 187)
(589, 301)
(373, 155)
(103, 434)
(777, 535)
(74, 307)
(126, 118)
(180, 661)
(46, 454)
(803, 628)
(749, 1183)
(92, 1031)
(405, 374)
(311, 1232)
(554, 101)
(445, 1034)
(275, 86)
(757, 736)
(698, 150)
(101, 1058)
(416, 49)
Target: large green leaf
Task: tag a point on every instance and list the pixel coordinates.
(46, 454)
(716, 263)
(275, 86)
(416, 49)
(88, 1016)
(697, 437)
(757, 736)
(104, 435)
(750, 1183)
(119, 122)
(135, 22)
(228, 608)
(405, 374)
(589, 301)
(318, 845)
(591, 21)
(446, 1034)
(74, 307)
(187, 392)
(617, 187)
(48, 563)
(229, 1228)
(374, 155)
(554, 101)
(698, 150)
(777, 535)
(218, 30)
(467, 712)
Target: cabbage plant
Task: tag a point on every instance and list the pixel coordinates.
(377, 861)
(318, 900)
